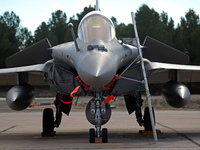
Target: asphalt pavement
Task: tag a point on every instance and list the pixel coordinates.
(22, 130)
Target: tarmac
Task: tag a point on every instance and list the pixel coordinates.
(180, 130)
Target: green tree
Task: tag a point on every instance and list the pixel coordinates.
(147, 22)
(75, 27)
(151, 23)
(41, 32)
(25, 38)
(13, 22)
(77, 21)
(120, 30)
(86, 10)
(188, 26)
(9, 26)
(125, 31)
(55, 30)
(166, 29)
(58, 25)
(13, 37)
(195, 38)
(5, 44)
(115, 22)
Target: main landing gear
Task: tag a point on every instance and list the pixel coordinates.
(63, 104)
(98, 113)
(134, 103)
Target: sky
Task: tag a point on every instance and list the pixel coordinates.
(33, 12)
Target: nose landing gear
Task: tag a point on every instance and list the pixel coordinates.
(98, 113)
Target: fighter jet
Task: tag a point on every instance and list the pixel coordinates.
(96, 63)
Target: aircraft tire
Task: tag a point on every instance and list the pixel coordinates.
(92, 135)
(104, 135)
(48, 121)
(147, 119)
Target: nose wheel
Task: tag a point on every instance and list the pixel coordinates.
(104, 135)
(98, 113)
(92, 135)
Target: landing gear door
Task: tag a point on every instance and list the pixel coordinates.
(65, 81)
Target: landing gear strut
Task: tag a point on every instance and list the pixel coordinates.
(134, 103)
(98, 113)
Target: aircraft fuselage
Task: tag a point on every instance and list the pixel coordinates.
(97, 62)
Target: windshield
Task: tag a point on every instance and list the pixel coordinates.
(95, 26)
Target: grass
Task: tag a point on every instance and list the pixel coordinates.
(119, 104)
(158, 104)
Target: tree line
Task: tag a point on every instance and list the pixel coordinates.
(184, 37)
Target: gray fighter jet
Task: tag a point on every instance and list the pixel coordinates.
(96, 63)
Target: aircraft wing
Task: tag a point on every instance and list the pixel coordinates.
(160, 52)
(31, 68)
(162, 72)
(165, 60)
(31, 59)
(37, 53)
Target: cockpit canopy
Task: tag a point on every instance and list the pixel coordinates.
(95, 26)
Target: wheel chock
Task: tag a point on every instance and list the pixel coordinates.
(143, 132)
(48, 134)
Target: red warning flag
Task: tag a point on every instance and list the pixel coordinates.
(74, 91)
(64, 101)
(109, 99)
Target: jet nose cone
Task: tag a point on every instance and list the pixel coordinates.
(97, 71)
